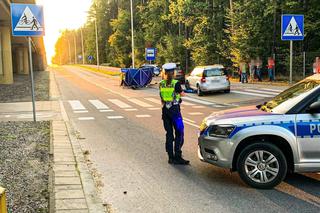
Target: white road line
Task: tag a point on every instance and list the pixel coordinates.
(273, 90)
(195, 113)
(261, 91)
(187, 103)
(197, 101)
(114, 117)
(154, 100)
(107, 110)
(120, 104)
(143, 116)
(131, 110)
(81, 111)
(153, 109)
(76, 105)
(86, 118)
(252, 94)
(98, 104)
(191, 124)
(198, 107)
(218, 106)
(189, 120)
(140, 103)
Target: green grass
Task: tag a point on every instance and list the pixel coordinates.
(92, 69)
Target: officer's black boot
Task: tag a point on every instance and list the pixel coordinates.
(180, 161)
(171, 159)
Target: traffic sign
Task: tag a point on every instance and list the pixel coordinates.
(151, 54)
(292, 27)
(27, 20)
(90, 57)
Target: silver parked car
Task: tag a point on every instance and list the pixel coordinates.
(264, 142)
(208, 79)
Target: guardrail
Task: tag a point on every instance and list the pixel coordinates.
(3, 204)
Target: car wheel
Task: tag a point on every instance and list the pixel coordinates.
(187, 85)
(227, 91)
(199, 92)
(262, 165)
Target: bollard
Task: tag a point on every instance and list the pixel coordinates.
(3, 205)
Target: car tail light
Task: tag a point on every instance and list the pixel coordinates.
(203, 80)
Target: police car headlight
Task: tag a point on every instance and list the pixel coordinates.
(221, 131)
(203, 125)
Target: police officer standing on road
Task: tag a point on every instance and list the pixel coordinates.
(170, 93)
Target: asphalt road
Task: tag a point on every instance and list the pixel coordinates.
(122, 130)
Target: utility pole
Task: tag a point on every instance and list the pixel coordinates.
(82, 47)
(69, 50)
(97, 47)
(132, 33)
(75, 48)
(231, 10)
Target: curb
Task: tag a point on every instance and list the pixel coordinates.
(73, 188)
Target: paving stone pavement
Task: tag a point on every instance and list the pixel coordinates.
(74, 190)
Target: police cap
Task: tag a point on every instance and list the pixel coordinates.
(169, 67)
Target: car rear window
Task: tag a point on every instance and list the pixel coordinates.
(213, 72)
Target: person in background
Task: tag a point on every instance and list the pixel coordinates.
(252, 68)
(244, 71)
(316, 66)
(258, 68)
(271, 64)
(239, 72)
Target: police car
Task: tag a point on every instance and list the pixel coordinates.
(265, 142)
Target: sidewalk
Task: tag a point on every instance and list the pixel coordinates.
(73, 187)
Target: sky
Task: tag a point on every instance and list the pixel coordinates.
(59, 15)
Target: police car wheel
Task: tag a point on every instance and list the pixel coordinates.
(262, 165)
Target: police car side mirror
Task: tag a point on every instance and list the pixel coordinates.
(314, 107)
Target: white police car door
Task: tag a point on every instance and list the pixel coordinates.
(308, 137)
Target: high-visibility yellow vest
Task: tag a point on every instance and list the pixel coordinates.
(167, 91)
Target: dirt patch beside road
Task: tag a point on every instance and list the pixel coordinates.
(24, 165)
(20, 91)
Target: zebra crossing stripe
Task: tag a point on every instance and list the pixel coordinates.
(153, 100)
(86, 118)
(76, 105)
(114, 117)
(261, 92)
(195, 113)
(140, 103)
(79, 112)
(252, 94)
(187, 103)
(143, 116)
(273, 90)
(130, 110)
(107, 110)
(119, 103)
(98, 104)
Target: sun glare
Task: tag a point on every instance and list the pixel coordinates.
(59, 15)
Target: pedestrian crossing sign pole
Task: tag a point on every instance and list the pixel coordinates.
(292, 29)
(27, 20)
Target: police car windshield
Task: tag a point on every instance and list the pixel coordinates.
(292, 92)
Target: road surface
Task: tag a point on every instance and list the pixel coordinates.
(122, 130)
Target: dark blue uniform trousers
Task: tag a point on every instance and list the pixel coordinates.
(173, 124)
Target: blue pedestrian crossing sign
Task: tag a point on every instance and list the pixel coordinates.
(27, 20)
(292, 27)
